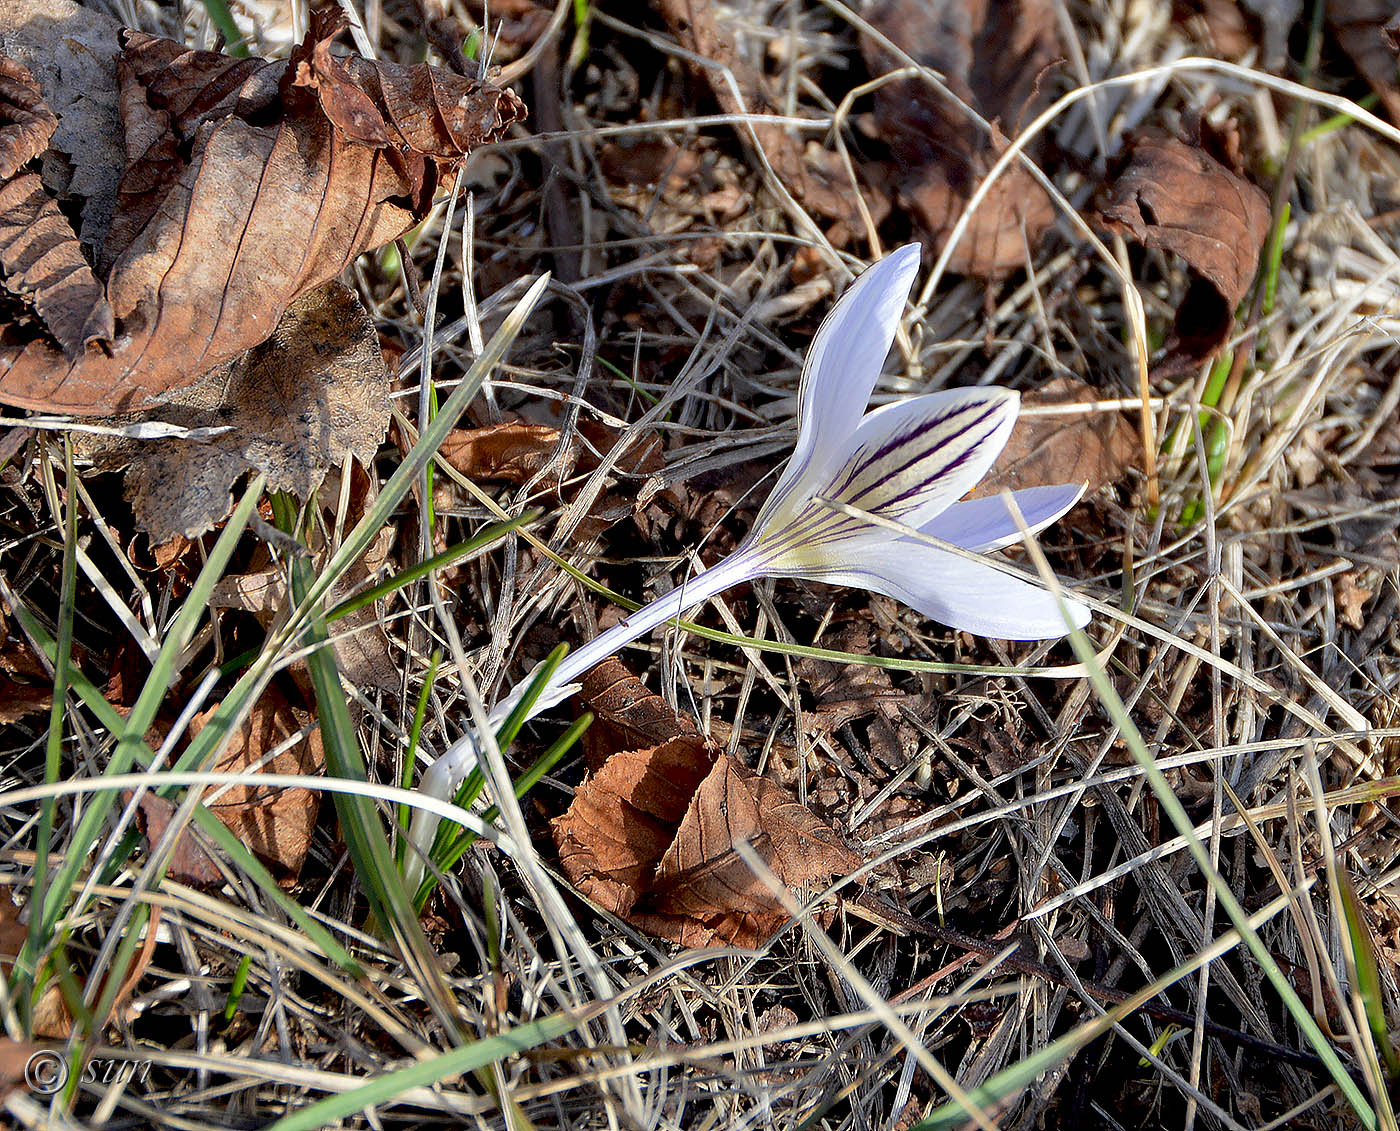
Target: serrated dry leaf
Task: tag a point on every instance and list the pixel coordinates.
(279, 175)
(275, 824)
(1095, 448)
(650, 834)
(991, 56)
(315, 391)
(1196, 204)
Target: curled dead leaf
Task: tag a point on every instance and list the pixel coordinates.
(189, 863)
(248, 184)
(1179, 197)
(650, 834)
(991, 56)
(1094, 448)
(275, 824)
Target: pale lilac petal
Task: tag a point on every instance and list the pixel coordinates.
(947, 588)
(914, 458)
(843, 364)
(986, 524)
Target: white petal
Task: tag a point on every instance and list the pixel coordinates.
(914, 458)
(987, 524)
(843, 364)
(949, 589)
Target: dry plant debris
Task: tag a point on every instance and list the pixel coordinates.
(650, 833)
(705, 250)
(992, 57)
(1093, 448)
(248, 184)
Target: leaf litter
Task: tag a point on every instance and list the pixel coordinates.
(248, 184)
(997, 797)
(650, 833)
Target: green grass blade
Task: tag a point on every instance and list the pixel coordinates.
(222, 18)
(452, 841)
(420, 710)
(468, 1058)
(131, 734)
(1368, 973)
(1181, 820)
(370, 853)
(1017, 1077)
(53, 752)
(422, 453)
(210, 825)
(485, 537)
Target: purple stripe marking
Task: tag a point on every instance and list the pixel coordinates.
(922, 455)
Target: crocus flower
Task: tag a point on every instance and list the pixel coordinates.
(909, 461)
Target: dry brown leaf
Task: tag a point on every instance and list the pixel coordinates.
(293, 169)
(275, 824)
(20, 699)
(650, 834)
(41, 261)
(1197, 204)
(1095, 448)
(512, 452)
(1360, 27)
(71, 50)
(26, 122)
(818, 179)
(704, 892)
(189, 862)
(298, 403)
(991, 56)
(51, 1017)
(15, 1058)
(626, 716)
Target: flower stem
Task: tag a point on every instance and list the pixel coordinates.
(443, 778)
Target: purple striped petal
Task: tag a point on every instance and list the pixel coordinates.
(987, 524)
(843, 364)
(914, 458)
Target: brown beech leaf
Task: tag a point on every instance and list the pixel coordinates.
(41, 261)
(275, 824)
(248, 184)
(190, 863)
(298, 403)
(627, 716)
(1181, 198)
(704, 891)
(1095, 448)
(512, 452)
(991, 56)
(650, 834)
(26, 122)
